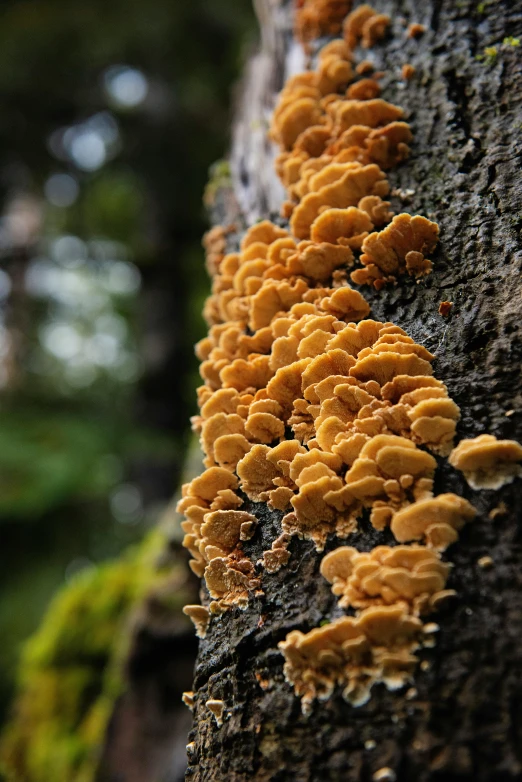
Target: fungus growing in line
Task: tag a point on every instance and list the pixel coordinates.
(356, 653)
(487, 463)
(407, 71)
(412, 576)
(288, 347)
(435, 520)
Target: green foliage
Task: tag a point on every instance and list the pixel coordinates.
(71, 669)
(489, 57)
(113, 205)
(491, 53)
(219, 176)
(44, 460)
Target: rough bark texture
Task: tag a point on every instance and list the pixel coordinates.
(464, 721)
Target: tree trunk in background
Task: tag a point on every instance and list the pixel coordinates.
(464, 720)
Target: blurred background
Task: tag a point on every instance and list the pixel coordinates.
(111, 114)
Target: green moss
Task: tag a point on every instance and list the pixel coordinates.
(71, 669)
(219, 177)
(489, 57)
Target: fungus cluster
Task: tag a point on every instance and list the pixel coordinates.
(337, 138)
(411, 576)
(354, 653)
(312, 407)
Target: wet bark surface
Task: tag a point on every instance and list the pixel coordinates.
(462, 717)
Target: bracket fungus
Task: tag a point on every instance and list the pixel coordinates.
(487, 463)
(398, 249)
(229, 581)
(200, 616)
(436, 520)
(309, 405)
(217, 709)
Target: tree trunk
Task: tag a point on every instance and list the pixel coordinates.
(463, 719)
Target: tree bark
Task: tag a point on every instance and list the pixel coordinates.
(463, 720)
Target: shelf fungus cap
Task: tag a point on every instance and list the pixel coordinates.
(436, 519)
(217, 708)
(265, 232)
(256, 472)
(318, 260)
(383, 367)
(209, 483)
(348, 226)
(200, 616)
(487, 463)
(296, 117)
